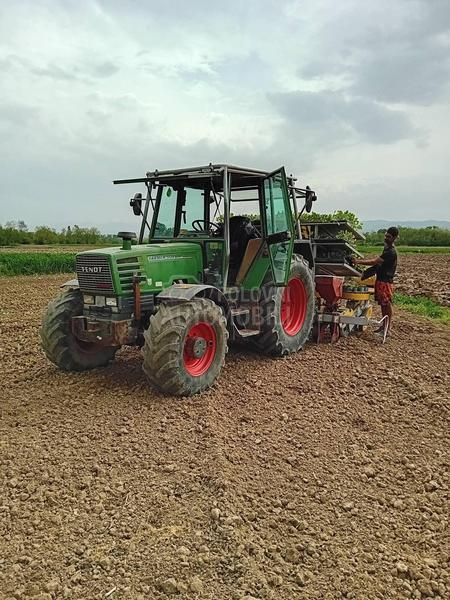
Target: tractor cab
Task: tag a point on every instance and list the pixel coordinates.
(242, 220)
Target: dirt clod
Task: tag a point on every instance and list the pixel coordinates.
(215, 514)
(431, 486)
(196, 584)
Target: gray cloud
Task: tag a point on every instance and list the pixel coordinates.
(54, 71)
(404, 58)
(82, 72)
(104, 69)
(412, 75)
(18, 114)
(188, 73)
(343, 119)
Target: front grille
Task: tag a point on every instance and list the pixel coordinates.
(128, 268)
(94, 273)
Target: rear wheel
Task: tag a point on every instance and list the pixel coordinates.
(287, 313)
(60, 345)
(185, 346)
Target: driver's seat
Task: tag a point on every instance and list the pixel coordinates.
(241, 232)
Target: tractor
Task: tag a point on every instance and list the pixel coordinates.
(197, 277)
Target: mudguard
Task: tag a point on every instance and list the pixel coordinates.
(72, 284)
(184, 292)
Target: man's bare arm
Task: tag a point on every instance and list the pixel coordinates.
(368, 261)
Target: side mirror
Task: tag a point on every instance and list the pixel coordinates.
(310, 197)
(136, 204)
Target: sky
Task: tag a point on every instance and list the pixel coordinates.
(351, 97)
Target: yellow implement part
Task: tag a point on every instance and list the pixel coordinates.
(356, 295)
(370, 281)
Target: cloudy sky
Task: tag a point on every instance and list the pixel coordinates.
(352, 96)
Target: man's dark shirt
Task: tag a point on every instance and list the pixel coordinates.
(386, 270)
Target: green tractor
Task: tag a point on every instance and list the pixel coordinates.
(198, 276)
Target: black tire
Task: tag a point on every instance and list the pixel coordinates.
(273, 339)
(59, 343)
(164, 347)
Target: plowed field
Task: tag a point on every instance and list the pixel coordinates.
(425, 274)
(321, 475)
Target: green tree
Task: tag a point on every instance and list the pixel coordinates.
(45, 235)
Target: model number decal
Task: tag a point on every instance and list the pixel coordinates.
(165, 257)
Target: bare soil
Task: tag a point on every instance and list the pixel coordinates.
(425, 275)
(321, 475)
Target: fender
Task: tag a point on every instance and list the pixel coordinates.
(184, 292)
(71, 285)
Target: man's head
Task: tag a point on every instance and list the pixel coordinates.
(391, 235)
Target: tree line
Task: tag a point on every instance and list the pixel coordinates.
(409, 236)
(16, 232)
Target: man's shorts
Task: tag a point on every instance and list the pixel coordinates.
(383, 292)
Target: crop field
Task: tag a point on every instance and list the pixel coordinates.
(31, 263)
(50, 248)
(321, 475)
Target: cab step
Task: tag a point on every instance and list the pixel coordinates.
(235, 312)
(247, 332)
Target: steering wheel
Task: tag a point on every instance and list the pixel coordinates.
(208, 226)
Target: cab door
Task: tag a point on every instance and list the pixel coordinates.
(278, 225)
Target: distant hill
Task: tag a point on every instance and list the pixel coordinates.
(376, 225)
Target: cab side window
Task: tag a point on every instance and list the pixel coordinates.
(194, 208)
(166, 217)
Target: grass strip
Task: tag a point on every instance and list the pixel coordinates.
(35, 263)
(423, 306)
(367, 249)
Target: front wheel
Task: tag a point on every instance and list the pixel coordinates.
(287, 313)
(59, 343)
(185, 346)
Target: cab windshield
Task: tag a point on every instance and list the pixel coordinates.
(179, 210)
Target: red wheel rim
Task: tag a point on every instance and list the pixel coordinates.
(293, 306)
(199, 349)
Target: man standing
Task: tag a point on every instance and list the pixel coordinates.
(386, 267)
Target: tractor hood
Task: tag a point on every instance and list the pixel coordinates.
(158, 265)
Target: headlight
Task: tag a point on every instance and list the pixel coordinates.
(88, 299)
(111, 301)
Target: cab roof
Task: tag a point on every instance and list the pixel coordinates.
(243, 177)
